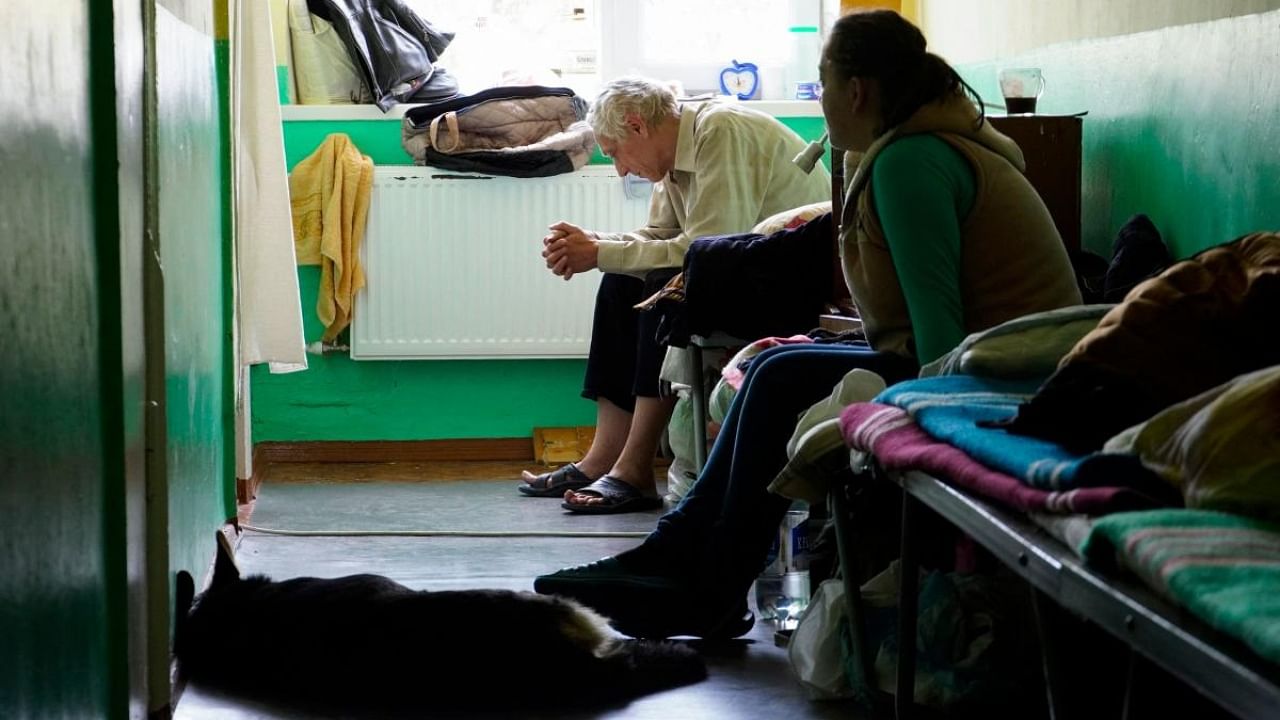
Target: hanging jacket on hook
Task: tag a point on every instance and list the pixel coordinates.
(394, 49)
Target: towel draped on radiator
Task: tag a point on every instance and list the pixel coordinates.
(329, 193)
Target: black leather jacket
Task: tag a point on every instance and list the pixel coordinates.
(394, 48)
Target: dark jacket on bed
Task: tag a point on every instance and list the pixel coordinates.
(1197, 325)
(753, 286)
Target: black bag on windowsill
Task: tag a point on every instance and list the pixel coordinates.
(393, 48)
(516, 131)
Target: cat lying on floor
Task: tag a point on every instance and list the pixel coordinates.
(367, 641)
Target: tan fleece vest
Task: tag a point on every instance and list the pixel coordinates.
(1012, 259)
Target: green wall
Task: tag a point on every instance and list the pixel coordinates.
(77, 198)
(1183, 125)
(190, 186)
(339, 399)
(966, 31)
(55, 625)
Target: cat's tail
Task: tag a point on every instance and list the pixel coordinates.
(645, 666)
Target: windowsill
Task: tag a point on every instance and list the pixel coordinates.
(776, 108)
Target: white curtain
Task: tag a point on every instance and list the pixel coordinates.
(268, 305)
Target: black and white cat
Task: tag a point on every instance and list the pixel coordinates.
(367, 641)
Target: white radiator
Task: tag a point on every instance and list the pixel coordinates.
(454, 269)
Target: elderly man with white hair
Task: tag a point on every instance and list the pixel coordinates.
(718, 168)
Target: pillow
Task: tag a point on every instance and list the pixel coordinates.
(791, 218)
(1221, 448)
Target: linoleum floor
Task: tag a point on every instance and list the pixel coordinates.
(747, 679)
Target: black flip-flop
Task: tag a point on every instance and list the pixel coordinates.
(619, 497)
(554, 483)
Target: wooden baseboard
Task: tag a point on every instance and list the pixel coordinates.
(515, 449)
(247, 488)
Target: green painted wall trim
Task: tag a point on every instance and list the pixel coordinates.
(1187, 137)
(282, 83)
(340, 399)
(337, 398)
(380, 139)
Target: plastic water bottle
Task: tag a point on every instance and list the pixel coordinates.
(782, 590)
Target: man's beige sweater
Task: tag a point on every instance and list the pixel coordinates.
(733, 169)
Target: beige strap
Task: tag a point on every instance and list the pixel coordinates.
(451, 120)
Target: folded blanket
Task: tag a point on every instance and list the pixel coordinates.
(899, 444)
(1026, 347)
(1070, 530)
(949, 408)
(1223, 568)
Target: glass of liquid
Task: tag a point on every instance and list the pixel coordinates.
(1021, 88)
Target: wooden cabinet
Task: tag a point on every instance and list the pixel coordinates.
(1051, 146)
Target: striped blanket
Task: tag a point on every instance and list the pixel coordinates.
(1224, 568)
(953, 409)
(899, 444)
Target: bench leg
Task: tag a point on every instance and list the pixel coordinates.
(908, 597)
(1152, 693)
(1050, 656)
(846, 522)
(1086, 670)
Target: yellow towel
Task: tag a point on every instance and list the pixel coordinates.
(329, 195)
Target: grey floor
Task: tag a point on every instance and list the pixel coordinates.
(749, 679)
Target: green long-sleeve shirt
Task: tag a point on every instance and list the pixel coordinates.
(924, 188)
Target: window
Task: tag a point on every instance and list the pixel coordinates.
(507, 42)
(692, 41)
(578, 43)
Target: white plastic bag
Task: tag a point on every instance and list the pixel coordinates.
(814, 650)
(321, 64)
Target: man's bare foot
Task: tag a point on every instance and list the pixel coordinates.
(576, 497)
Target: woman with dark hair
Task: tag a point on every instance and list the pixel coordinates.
(941, 236)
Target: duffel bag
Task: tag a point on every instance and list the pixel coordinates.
(518, 131)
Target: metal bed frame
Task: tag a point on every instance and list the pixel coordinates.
(1218, 666)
